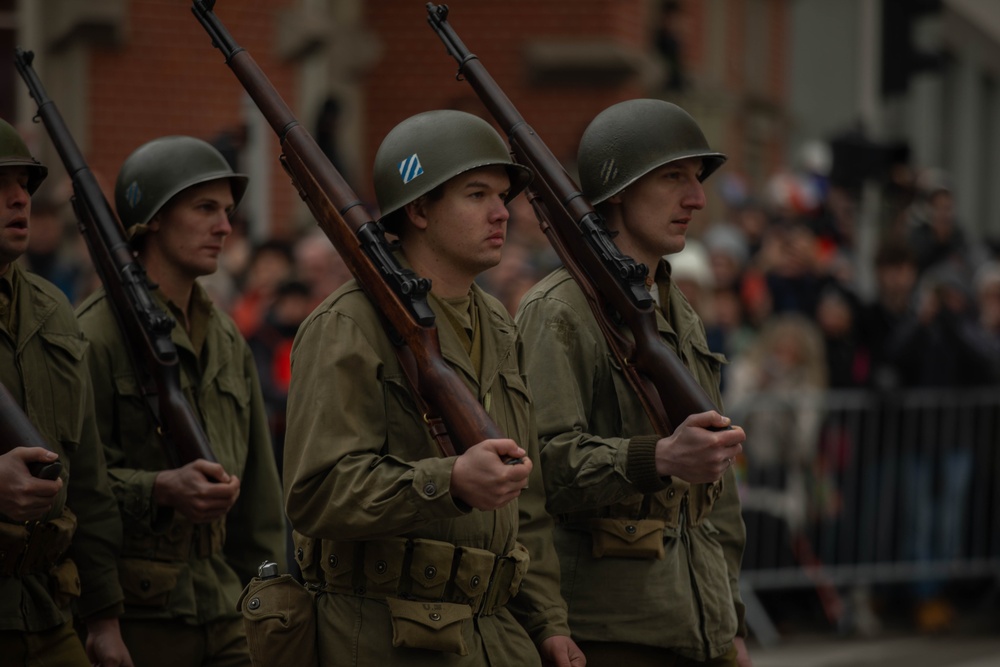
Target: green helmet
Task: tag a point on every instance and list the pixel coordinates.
(161, 168)
(628, 140)
(14, 153)
(426, 150)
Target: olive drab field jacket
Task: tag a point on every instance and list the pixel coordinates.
(172, 568)
(645, 560)
(42, 364)
(367, 492)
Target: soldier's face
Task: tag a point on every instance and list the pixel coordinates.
(189, 232)
(653, 213)
(15, 210)
(467, 227)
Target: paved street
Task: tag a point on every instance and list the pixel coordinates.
(826, 651)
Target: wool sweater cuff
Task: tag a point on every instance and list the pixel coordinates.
(641, 464)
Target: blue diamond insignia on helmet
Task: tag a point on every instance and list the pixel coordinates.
(410, 168)
(609, 171)
(133, 194)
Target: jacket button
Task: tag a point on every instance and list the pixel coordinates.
(671, 492)
(430, 571)
(430, 488)
(145, 584)
(435, 616)
(630, 529)
(298, 554)
(381, 567)
(333, 560)
(475, 581)
(254, 603)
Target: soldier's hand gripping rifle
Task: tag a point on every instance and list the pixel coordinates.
(399, 295)
(145, 326)
(16, 430)
(613, 283)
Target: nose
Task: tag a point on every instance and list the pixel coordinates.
(499, 213)
(694, 196)
(223, 227)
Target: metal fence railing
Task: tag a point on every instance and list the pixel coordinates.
(853, 488)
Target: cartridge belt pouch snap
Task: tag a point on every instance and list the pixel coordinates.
(436, 626)
(641, 539)
(279, 617)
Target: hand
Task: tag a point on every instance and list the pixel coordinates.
(201, 491)
(742, 655)
(105, 647)
(24, 497)
(481, 479)
(561, 651)
(696, 454)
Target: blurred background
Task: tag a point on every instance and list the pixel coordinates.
(847, 262)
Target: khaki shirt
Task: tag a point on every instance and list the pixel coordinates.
(360, 465)
(42, 364)
(171, 568)
(597, 462)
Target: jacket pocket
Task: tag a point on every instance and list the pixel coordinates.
(234, 407)
(148, 583)
(66, 374)
(513, 409)
(628, 538)
(136, 431)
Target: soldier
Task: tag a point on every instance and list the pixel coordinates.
(648, 530)
(193, 539)
(41, 363)
(420, 556)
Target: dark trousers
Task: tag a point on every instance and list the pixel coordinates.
(169, 643)
(59, 646)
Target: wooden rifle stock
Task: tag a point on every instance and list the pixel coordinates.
(16, 430)
(144, 325)
(398, 294)
(613, 283)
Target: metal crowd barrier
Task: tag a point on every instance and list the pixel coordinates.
(843, 489)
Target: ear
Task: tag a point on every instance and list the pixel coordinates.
(416, 211)
(154, 223)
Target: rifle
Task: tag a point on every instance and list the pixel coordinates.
(145, 326)
(613, 283)
(398, 294)
(16, 430)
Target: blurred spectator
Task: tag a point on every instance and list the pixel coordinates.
(896, 279)
(987, 285)
(847, 359)
(773, 393)
(270, 265)
(728, 254)
(935, 234)
(319, 266)
(691, 271)
(940, 346)
(50, 247)
(790, 260)
(271, 345)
